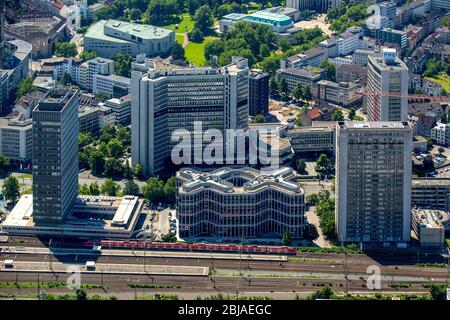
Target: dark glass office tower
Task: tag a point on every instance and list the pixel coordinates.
(55, 156)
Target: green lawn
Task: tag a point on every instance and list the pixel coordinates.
(443, 79)
(185, 25)
(180, 38)
(195, 52)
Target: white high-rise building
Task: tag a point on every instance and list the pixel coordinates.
(167, 98)
(387, 87)
(373, 181)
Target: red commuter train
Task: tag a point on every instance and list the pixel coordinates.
(194, 247)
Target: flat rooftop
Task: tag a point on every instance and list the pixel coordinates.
(431, 218)
(90, 212)
(374, 125)
(143, 31)
(221, 179)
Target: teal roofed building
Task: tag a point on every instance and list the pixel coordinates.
(274, 20)
(280, 24)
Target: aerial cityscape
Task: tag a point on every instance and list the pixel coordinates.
(224, 150)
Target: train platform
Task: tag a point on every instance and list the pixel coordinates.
(144, 253)
(58, 267)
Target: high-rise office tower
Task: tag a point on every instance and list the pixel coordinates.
(373, 181)
(55, 156)
(167, 98)
(2, 31)
(317, 5)
(387, 87)
(258, 93)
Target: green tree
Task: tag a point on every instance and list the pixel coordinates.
(170, 237)
(259, 118)
(97, 162)
(128, 172)
(273, 86)
(94, 189)
(88, 55)
(312, 199)
(109, 188)
(169, 190)
(160, 12)
(131, 188)
(284, 44)
(138, 171)
(297, 92)
(283, 88)
(324, 195)
(11, 189)
(310, 232)
(337, 115)
(134, 14)
(264, 51)
(307, 95)
(438, 292)
(81, 294)
(115, 148)
(300, 165)
(351, 114)
(203, 18)
(113, 168)
(84, 138)
(154, 190)
(122, 64)
(177, 52)
(286, 240)
(83, 189)
(323, 293)
(196, 35)
(323, 164)
(4, 163)
(330, 70)
(25, 86)
(66, 49)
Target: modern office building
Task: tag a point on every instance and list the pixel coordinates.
(239, 203)
(14, 66)
(307, 77)
(389, 35)
(387, 87)
(167, 98)
(111, 37)
(313, 5)
(342, 93)
(310, 58)
(258, 96)
(122, 109)
(55, 156)
(282, 25)
(429, 227)
(305, 140)
(112, 85)
(351, 72)
(431, 193)
(16, 140)
(93, 67)
(373, 182)
(88, 119)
